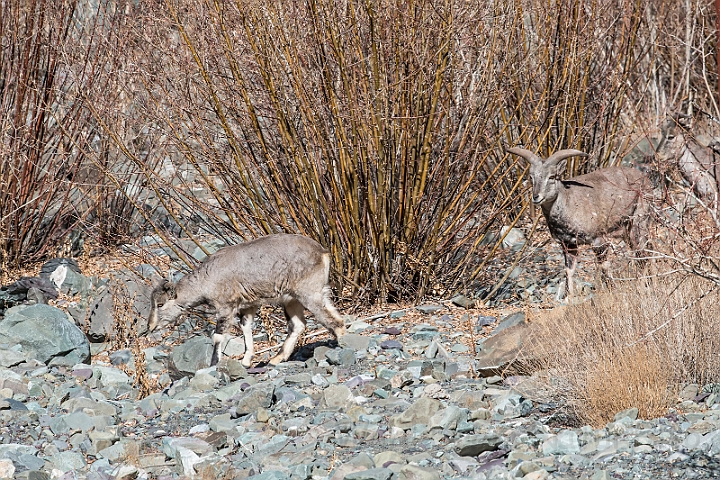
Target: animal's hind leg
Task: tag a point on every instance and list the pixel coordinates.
(295, 316)
(325, 312)
(248, 316)
(223, 317)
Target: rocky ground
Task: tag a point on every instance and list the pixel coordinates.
(409, 393)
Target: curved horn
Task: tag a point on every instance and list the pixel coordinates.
(563, 154)
(524, 153)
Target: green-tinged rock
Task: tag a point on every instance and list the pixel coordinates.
(474, 445)
(45, 333)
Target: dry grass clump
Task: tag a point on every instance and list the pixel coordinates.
(633, 346)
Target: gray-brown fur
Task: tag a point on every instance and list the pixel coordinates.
(699, 165)
(283, 269)
(588, 209)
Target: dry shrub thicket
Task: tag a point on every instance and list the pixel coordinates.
(378, 127)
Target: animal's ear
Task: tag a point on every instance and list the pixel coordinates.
(170, 289)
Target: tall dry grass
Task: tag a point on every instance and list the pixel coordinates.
(634, 346)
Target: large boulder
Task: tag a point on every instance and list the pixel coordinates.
(97, 316)
(44, 333)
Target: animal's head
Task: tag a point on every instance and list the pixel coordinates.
(163, 304)
(546, 174)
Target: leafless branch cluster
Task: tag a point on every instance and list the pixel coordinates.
(375, 127)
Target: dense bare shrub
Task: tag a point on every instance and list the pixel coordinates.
(50, 63)
(378, 127)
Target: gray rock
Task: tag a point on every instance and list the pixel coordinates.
(517, 318)
(391, 344)
(631, 413)
(222, 423)
(173, 446)
(207, 248)
(110, 375)
(256, 396)
(419, 412)
(511, 405)
(7, 468)
(514, 238)
(46, 334)
(204, 380)
(463, 301)
(502, 349)
(14, 449)
(429, 308)
(448, 418)
(72, 422)
(371, 474)
(270, 475)
(564, 443)
(354, 341)
(193, 355)
(341, 356)
(474, 445)
(68, 460)
(10, 358)
(337, 396)
(414, 472)
(101, 440)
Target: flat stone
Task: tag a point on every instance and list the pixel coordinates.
(193, 355)
(463, 301)
(414, 472)
(387, 458)
(429, 308)
(564, 443)
(421, 411)
(45, 333)
(354, 341)
(474, 445)
(7, 468)
(631, 413)
(68, 460)
(222, 423)
(371, 474)
(172, 446)
(390, 344)
(110, 375)
(10, 358)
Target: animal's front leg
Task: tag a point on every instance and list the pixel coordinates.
(248, 316)
(223, 317)
(570, 266)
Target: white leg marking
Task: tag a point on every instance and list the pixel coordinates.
(247, 329)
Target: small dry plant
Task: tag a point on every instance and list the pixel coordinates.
(126, 336)
(634, 346)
